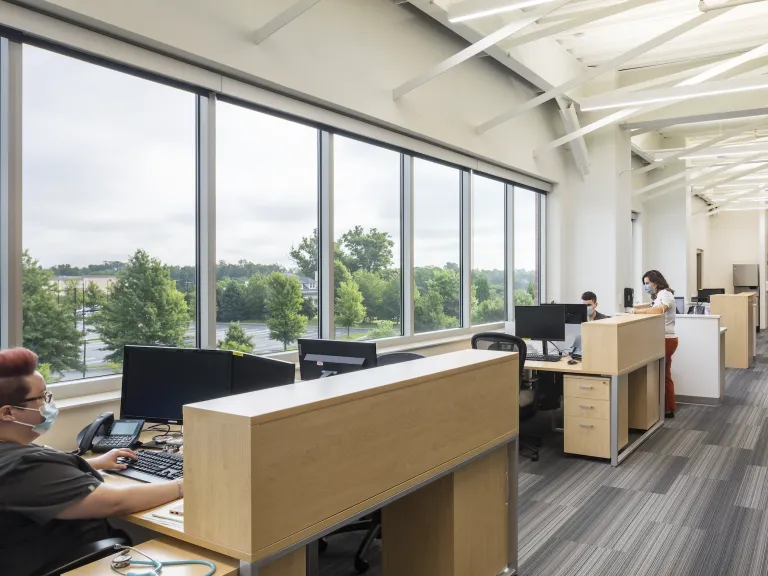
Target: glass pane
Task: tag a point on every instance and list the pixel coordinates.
(109, 214)
(366, 196)
(487, 250)
(266, 228)
(526, 248)
(437, 246)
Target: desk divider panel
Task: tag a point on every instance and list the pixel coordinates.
(268, 469)
(621, 344)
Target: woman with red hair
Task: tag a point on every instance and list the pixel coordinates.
(52, 502)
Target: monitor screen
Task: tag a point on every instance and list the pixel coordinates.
(574, 313)
(251, 373)
(157, 382)
(680, 304)
(540, 322)
(321, 358)
(705, 293)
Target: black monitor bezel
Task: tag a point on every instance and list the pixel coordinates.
(554, 338)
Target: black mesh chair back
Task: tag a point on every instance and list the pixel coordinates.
(502, 343)
(397, 358)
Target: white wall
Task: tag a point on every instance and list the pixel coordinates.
(734, 238)
(699, 240)
(664, 236)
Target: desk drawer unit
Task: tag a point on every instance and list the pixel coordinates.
(587, 408)
(592, 388)
(587, 436)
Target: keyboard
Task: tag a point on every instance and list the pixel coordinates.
(153, 466)
(541, 358)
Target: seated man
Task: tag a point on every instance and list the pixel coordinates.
(52, 502)
(590, 299)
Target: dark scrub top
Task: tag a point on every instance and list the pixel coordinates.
(599, 316)
(36, 485)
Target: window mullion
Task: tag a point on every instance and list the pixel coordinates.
(10, 194)
(206, 222)
(509, 248)
(326, 233)
(466, 248)
(406, 233)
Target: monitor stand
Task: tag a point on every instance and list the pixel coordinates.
(327, 373)
(544, 348)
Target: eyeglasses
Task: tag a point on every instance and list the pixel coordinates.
(46, 397)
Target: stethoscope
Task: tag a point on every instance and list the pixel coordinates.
(125, 560)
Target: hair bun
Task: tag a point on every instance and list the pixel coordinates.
(17, 362)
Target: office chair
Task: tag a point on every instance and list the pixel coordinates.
(372, 522)
(84, 555)
(529, 394)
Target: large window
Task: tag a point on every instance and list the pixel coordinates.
(526, 227)
(108, 215)
(488, 253)
(266, 228)
(367, 283)
(437, 246)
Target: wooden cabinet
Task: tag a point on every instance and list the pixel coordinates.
(644, 396)
(737, 313)
(587, 429)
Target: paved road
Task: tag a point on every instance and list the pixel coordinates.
(95, 355)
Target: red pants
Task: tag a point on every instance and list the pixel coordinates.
(670, 345)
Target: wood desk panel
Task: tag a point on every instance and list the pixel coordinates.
(621, 344)
(262, 481)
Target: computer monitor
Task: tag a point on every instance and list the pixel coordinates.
(540, 323)
(159, 381)
(323, 358)
(680, 304)
(574, 313)
(705, 293)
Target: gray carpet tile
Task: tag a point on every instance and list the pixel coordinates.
(691, 501)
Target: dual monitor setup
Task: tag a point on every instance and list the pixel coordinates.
(158, 381)
(546, 322)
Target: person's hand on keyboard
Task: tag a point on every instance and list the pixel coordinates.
(114, 459)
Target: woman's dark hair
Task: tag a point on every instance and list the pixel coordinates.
(15, 365)
(656, 277)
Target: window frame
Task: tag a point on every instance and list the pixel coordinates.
(210, 88)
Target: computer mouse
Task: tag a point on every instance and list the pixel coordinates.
(572, 362)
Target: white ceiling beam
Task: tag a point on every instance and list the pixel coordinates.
(599, 70)
(476, 48)
(285, 17)
(733, 178)
(701, 175)
(573, 11)
(576, 22)
(674, 94)
(727, 152)
(659, 80)
(720, 68)
(706, 145)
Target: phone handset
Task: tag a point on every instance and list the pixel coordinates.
(98, 428)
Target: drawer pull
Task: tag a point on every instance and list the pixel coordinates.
(587, 425)
(585, 387)
(586, 407)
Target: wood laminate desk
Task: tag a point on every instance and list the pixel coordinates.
(431, 442)
(619, 384)
(738, 313)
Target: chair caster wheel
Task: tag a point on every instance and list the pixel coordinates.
(361, 565)
(535, 458)
(322, 545)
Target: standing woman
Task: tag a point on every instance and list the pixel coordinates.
(663, 303)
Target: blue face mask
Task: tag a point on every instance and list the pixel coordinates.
(590, 311)
(49, 412)
(648, 289)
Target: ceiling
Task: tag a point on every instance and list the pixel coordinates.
(591, 35)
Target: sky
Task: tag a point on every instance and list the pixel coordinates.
(109, 167)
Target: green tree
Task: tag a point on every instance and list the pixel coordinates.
(447, 283)
(284, 301)
(95, 297)
(143, 307)
(232, 305)
(488, 311)
(190, 298)
(48, 327)
(372, 287)
(429, 314)
(384, 329)
(71, 298)
(236, 338)
(523, 298)
(309, 308)
(480, 280)
(349, 305)
(255, 294)
(390, 308)
(340, 274)
(305, 255)
(532, 291)
(371, 251)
